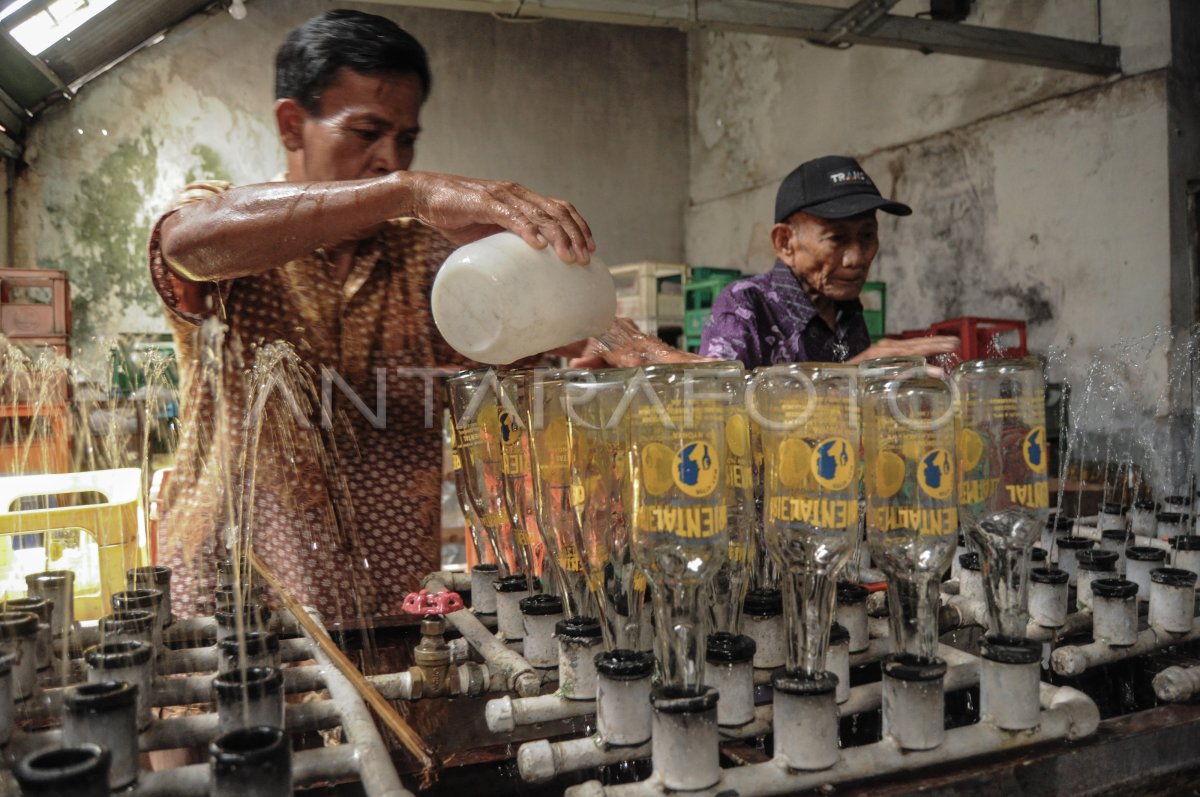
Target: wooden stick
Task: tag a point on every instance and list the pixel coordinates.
(412, 742)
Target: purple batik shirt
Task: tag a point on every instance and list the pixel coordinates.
(768, 319)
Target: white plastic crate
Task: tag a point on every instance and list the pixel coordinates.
(639, 297)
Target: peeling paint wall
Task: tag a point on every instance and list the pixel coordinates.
(593, 113)
(1038, 194)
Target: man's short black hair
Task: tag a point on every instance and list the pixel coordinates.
(370, 44)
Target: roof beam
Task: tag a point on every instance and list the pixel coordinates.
(813, 22)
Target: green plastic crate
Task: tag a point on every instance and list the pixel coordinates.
(874, 301)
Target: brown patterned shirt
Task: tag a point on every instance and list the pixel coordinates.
(346, 513)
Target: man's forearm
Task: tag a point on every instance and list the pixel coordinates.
(255, 228)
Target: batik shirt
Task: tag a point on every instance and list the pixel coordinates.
(349, 525)
(768, 319)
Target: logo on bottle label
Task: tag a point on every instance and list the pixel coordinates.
(935, 474)
(1033, 447)
(510, 428)
(657, 461)
(970, 449)
(795, 464)
(834, 463)
(890, 471)
(697, 469)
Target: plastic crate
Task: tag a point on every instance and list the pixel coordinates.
(874, 302)
(698, 296)
(650, 290)
(35, 302)
(98, 541)
(34, 439)
(980, 338)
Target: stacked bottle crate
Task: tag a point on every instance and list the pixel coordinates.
(35, 316)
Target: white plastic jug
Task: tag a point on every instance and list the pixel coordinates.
(498, 299)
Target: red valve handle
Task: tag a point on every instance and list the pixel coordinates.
(425, 602)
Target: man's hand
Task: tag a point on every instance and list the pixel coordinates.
(623, 345)
(912, 347)
(466, 209)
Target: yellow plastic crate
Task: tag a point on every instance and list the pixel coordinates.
(98, 541)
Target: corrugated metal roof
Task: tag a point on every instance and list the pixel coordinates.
(113, 33)
(32, 82)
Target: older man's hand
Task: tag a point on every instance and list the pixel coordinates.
(623, 345)
(912, 347)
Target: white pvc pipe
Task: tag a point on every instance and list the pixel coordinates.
(975, 613)
(1077, 659)
(504, 714)
(378, 773)
(1067, 713)
(1093, 533)
(1177, 684)
(309, 767)
(541, 761)
(518, 675)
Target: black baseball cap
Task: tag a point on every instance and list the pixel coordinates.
(832, 187)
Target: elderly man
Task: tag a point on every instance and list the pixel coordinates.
(806, 307)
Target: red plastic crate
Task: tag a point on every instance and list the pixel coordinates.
(35, 303)
(980, 337)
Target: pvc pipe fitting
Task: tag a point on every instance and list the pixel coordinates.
(43, 608)
(132, 625)
(684, 740)
(1068, 548)
(623, 716)
(253, 618)
(805, 720)
(248, 698)
(80, 771)
(510, 590)
(252, 762)
(261, 649)
(150, 600)
(1048, 596)
(837, 659)
(226, 597)
(970, 577)
(1117, 542)
(762, 621)
(125, 661)
(730, 671)
(1142, 521)
(1114, 611)
(225, 573)
(1010, 671)
(59, 587)
(1111, 516)
(18, 637)
(153, 577)
(483, 589)
(1055, 525)
(1139, 561)
(914, 701)
(7, 709)
(1186, 553)
(852, 614)
(105, 713)
(1094, 564)
(1170, 525)
(955, 563)
(540, 614)
(578, 638)
(1172, 599)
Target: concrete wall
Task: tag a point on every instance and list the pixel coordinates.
(1038, 194)
(593, 113)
